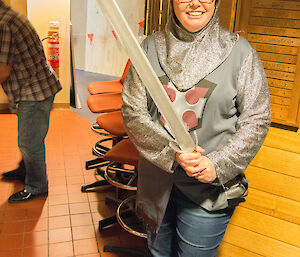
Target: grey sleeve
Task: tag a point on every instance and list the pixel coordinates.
(151, 140)
(253, 103)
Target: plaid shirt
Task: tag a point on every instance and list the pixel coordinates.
(31, 77)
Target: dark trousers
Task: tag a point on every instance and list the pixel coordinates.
(33, 124)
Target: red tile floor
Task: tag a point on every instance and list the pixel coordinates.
(66, 223)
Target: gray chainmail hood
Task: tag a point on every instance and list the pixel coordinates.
(188, 57)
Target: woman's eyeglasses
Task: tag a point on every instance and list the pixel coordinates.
(200, 1)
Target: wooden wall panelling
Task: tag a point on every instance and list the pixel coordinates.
(283, 58)
(283, 5)
(226, 13)
(147, 13)
(266, 21)
(291, 68)
(267, 30)
(242, 17)
(280, 75)
(296, 96)
(153, 16)
(275, 13)
(157, 17)
(165, 10)
(275, 40)
(160, 11)
(273, 28)
(275, 49)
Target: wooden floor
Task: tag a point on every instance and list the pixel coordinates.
(66, 223)
(268, 223)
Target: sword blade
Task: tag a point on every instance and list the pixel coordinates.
(143, 67)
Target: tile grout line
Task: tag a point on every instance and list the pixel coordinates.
(71, 226)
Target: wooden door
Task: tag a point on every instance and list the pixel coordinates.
(156, 15)
(273, 29)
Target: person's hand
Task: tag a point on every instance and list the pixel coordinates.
(208, 171)
(197, 166)
(190, 161)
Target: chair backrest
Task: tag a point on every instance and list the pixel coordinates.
(127, 66)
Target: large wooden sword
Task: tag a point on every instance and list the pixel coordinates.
(137, 56)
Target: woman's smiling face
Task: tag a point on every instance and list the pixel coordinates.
(195, 15)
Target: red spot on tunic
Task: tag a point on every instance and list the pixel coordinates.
(171, 93)
(190, 118)
(193, 95)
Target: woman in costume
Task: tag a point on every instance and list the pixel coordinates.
(217, 84)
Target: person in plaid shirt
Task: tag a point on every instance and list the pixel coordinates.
(30, 85)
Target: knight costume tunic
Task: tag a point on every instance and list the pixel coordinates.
(217, 84)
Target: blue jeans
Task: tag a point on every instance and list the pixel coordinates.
(33, 124)
(188, 230)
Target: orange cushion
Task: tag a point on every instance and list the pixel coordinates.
(112, 122)
(105, 102)
(100, 87)
(123, 152)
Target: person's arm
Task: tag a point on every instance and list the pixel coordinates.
(253, 103)
(4, 72)
(150, 138)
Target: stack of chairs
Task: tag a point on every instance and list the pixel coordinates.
(106, 100)
(112, 86)
(116, 165)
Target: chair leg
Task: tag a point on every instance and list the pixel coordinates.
(95, 163)
(110, 200)
(106, 222)
(111, 220)
(99, 149)
(95, 184)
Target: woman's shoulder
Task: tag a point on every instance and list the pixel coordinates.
(149, 41)
(244, 44)
(242, 49)
(240, 41)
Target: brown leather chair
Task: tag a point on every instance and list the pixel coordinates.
(125, 153)
(120, 170)
(112, 123)
(103, 103)
(113, 86)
